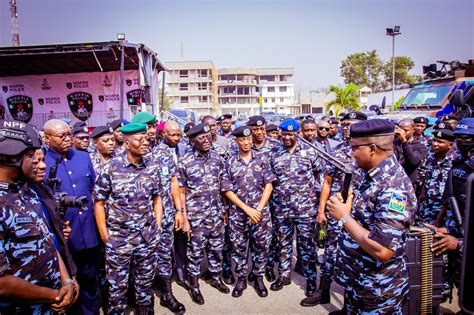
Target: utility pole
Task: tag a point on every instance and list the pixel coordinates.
(393, 32)
(14, 24)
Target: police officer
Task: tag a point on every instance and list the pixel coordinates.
(432, 176)
(410, 152)
(116, 125)
(32, 271)
(201, 172)
(295, 200)
(129, 187)
(251, 179)
(272, 131)
(150, 121)
(225, 125)
(104, 143)
(217, 139)
(309, 129)
(420, 126)
(77, 175)
(374, 220)
(81, 138)
(334, 133)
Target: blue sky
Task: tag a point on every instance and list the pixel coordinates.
(310, 36)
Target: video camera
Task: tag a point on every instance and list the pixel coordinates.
(62, 199)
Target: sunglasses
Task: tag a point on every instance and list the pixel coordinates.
(324, 128)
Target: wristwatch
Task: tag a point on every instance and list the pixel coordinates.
(259, 208)
(344, 220)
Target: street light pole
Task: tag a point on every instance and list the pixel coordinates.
(393, 32)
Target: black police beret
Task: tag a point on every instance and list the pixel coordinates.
(444, 134)
(271, 127)
(242, 131)
(224, 116)
(197, 130)
(450, 117)
(443, 125)
(354, 116)
(420, 120)
(78, 130)
(188, 126)
(117, 123)
(79, 124)
(16, 137)
(370, 128)
(101, 131)
(256, 121)
(333, 121)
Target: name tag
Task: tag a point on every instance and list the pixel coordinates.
(165, 171)
(23, 220)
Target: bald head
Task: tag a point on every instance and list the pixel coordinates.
(58, 136)
(172, 133)
(171, 126)
(55, 125)
(407, 122)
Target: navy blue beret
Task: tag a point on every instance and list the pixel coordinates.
(444, 134)
(101, 131)
(420, 120)
(289, 124)
(224, 116)
(271, 127)
(242, 131)
(78, 130)
(333, 121)
(117, 123)
(188, 126)
(79, 124)
(256, 121)
(197, 130)
(465, 127)
(450, 117)
(370, 128)
(354, 116)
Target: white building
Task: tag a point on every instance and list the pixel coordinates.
(277, 90)
(238, 91)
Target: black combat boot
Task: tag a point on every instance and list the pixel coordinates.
(260, 287)
(251, 277)
(228, 276)
(239, 287)
(269, 274)
(216, 282)
(280, 283)
(322, 295)
(194, 291)
(206, 276)
(146, 310)
(168, 299)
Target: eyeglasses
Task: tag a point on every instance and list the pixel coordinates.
(61, 136)
(324, 128)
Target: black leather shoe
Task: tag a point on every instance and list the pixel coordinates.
(228, 277)
(251, 277)
(181, 283)
(269, 274)
(206, 276)
(310, 288)
(145, 310)
(168, 300)
(216, 282)
(280, 283)
(239, 287)
(194, 291)
(260, 287)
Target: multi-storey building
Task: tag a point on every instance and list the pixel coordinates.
(192, 86)
(239, 91)
(277, 90)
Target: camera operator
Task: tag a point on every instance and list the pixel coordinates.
(33, 276)
(75, 170)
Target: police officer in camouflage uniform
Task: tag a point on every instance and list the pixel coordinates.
(225, 126)
(333, 183)
(31, 269)
(375, 219)
(201, 172)
(294, 195)
(150, 121)
(104, 143)
(249, 219)
(116, 125)
(129, 188)
(420, 126)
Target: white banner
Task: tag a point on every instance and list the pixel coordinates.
(91, 97)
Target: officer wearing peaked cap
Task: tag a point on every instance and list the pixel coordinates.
(379, 213)
(225, 125)
(130, 189)
(81, 138)
(104, 143)
(116, 125)
(420, 125)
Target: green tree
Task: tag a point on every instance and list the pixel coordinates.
(398, 103)
(168, 101)
(403, 65)
(363, 69)
(346, 98)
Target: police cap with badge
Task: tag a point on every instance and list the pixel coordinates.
(117, 123)
(443, 125)
(354, 116)
(256, 121)
(100, 131)
(80, 130)
(271, 127)
(15, 138)
(420, 120)
(242, 131)
(372, 128)
(224, 117)
(444, 134)
(198, 130)
(290, 124)
(144, 118)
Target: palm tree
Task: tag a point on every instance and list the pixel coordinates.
(345, 99)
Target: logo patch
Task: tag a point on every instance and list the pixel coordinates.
(22, 220)
(135, 97)
(20, 107)
(129, 82)
(45, 85)
(397, 202)
(80, 104)
(106, 82)
(5, 88)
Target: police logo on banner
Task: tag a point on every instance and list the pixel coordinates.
(5, 89)
(45, 85)
(129, 82)
(41, 101)
(101, 98)
(106, 82)
(69, 85)
(20, 107)
(80, 104)
(135, 97)
(2, 112)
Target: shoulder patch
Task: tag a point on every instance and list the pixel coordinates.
(397, 202)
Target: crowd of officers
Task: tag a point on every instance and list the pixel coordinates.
(161, 199)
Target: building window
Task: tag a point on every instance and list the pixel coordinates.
(282, 89)
(202, 86)
(267, 78)
(266, 100)
(183, 73)
(282, 78)
(184, 99)
(183, 86)
(273, 100)
(203, 99)
(202, 73)
(271, 89)
(282, 99)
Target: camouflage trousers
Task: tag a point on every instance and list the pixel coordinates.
(330, 251)
(376, 305)
(121, 253)
(227, 249)
(304, 233)
(206, 235)
(165, 246)
(275, 243)
(256, 236)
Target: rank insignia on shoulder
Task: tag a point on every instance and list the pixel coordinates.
(397, 202)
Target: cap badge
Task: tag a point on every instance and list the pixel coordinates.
(246, 132)
(290, 127)
(352, 115)
(259, 122)
(206, 128)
